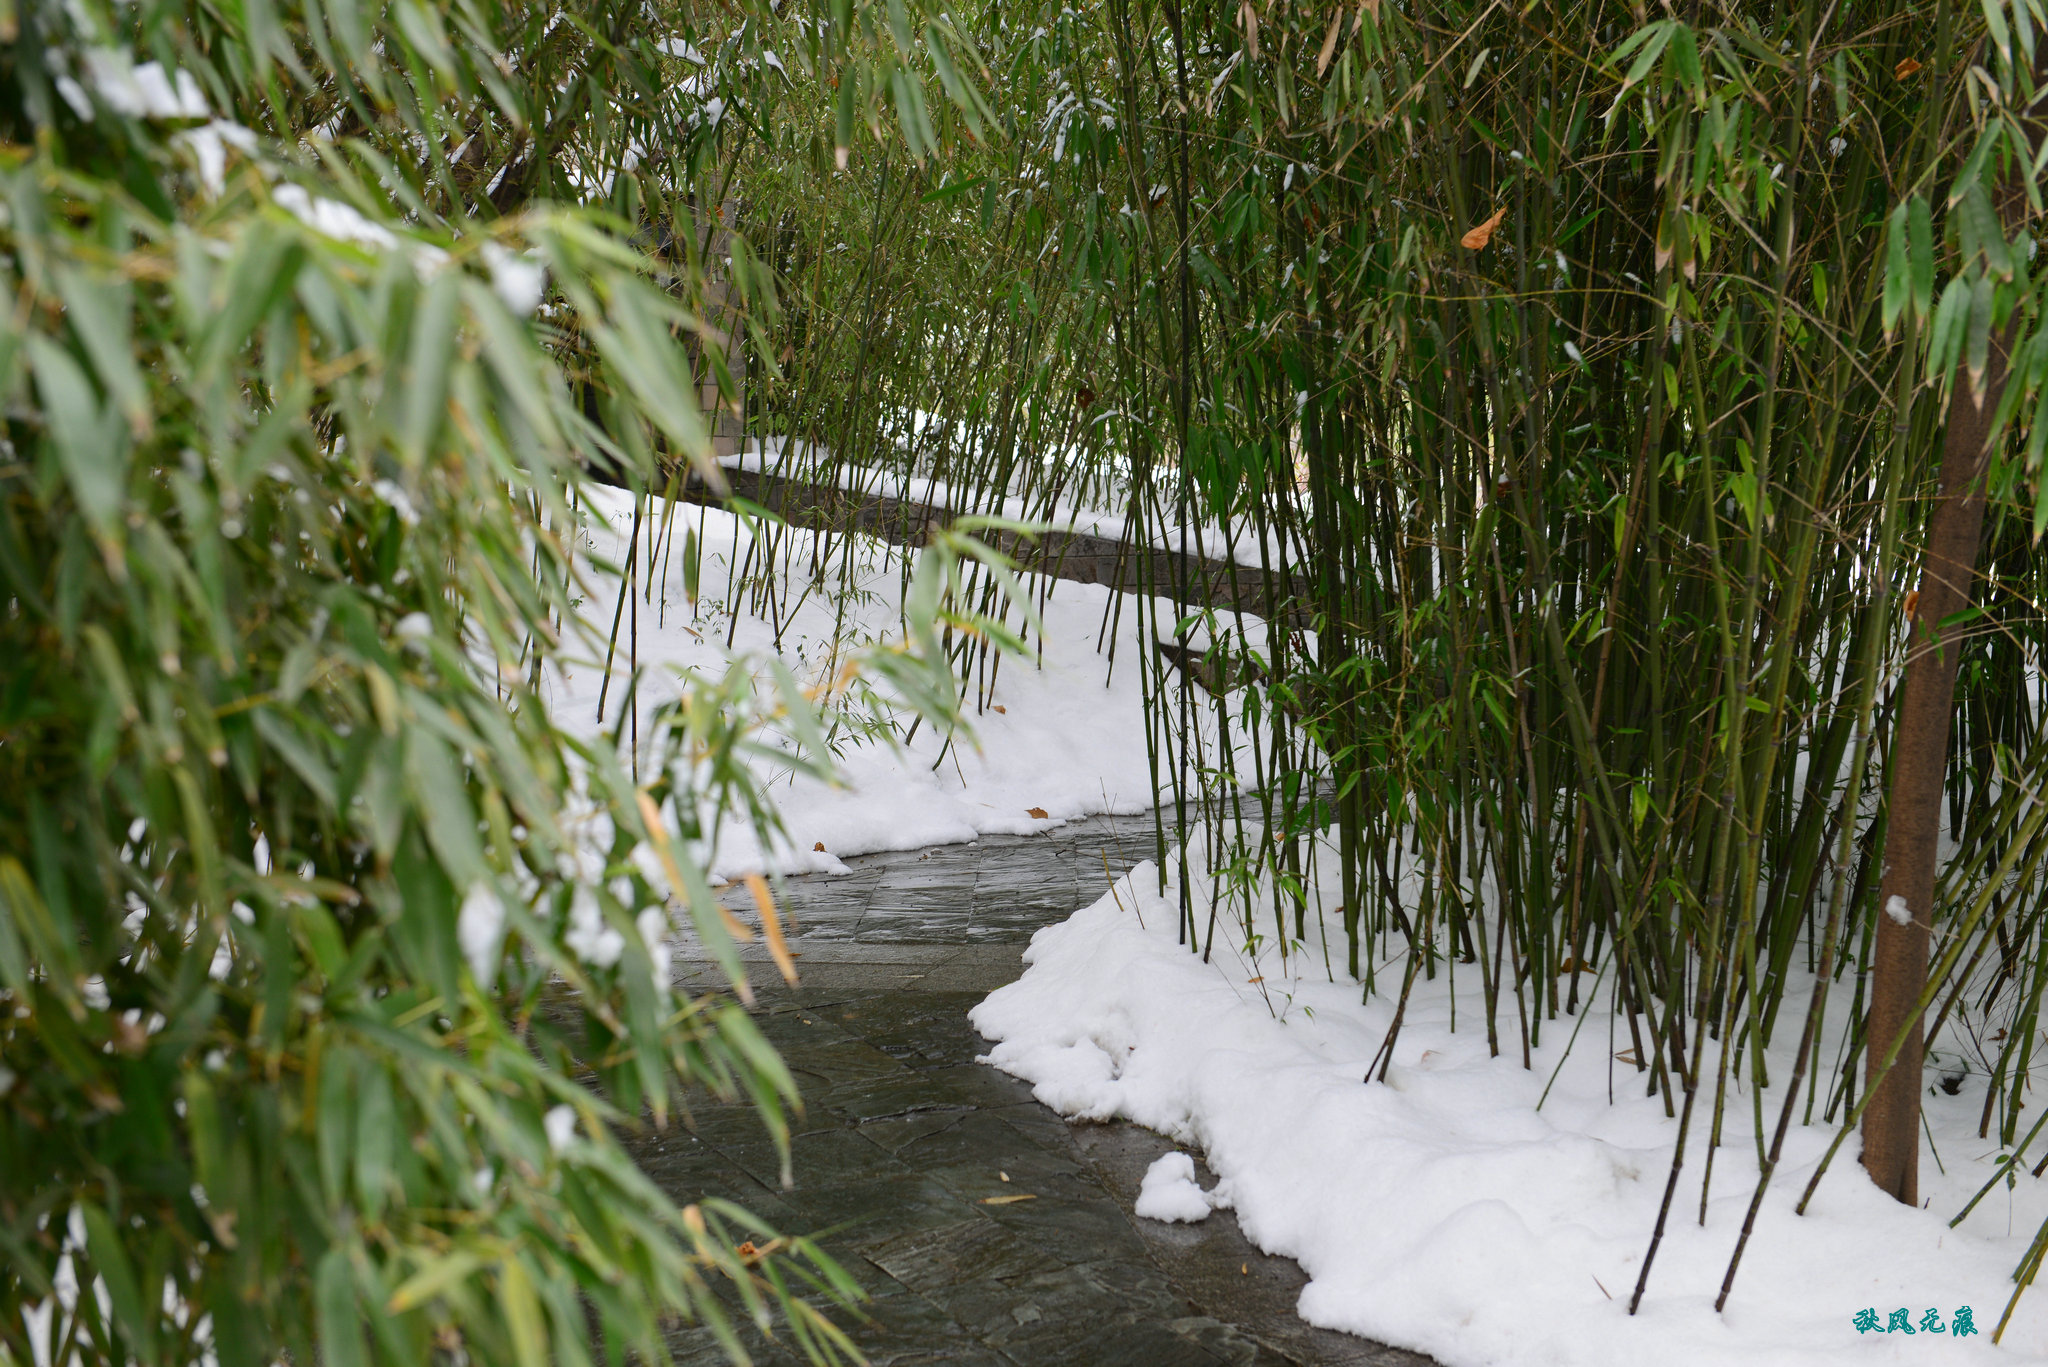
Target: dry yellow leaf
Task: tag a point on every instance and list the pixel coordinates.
(1007, 1200)
(1906, 67)
(771, 923)
(1483, 234)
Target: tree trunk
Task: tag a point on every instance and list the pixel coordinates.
(1891, 1121)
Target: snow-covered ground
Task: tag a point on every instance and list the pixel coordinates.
(1063, 736)
(1445, 1212)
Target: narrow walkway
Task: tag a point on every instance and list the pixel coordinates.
(917, 1154)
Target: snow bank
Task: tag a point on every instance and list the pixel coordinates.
(1444, 1212)
(1063, 736)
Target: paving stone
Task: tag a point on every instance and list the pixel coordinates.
(864, 1215)
(827, 1158)
(1069, 1217)
(970, 1250)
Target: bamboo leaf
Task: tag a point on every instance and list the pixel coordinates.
(91, 446)
(1898, 269)
(338, 1316)
(135, 1316)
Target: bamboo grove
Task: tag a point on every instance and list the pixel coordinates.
(1561, 390)
(1568, 384)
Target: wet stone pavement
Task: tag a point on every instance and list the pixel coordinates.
(905, 1140)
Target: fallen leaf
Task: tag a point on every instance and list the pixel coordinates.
(1627, 1056)
(1036, 813)
(1245, 1268)
(1483, 234)
(1261, 978)
(1912, 603)
(1906, 67)
(998, 707)
(819, 847)
(1571, 965)
(1004, 1175)
(1008, 1200)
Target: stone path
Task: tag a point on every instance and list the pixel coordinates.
(905, 1140)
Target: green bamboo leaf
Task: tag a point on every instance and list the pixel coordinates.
(338, 1315)
(49, 948)
(432, 352)
(92, 446)
(522, 1313)
(203, 1131)
(899, 26)
(99, 310)
(440, 1274)
(1978, 355)
(135, 1316)
(1951, 321)
(1685, 58)
(376, 1124)
(1994, 23)
(14, 964)
(638, 349)
(962, 92)
(331, 1125)
(1920, 230)
(442, 801)
(1898, 269)
(1648, 44)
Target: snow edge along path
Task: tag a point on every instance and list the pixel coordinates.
(1442, 1212)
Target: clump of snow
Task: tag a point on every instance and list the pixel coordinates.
(480, 931)
(1896, 908)
(1457, 1211)
(595, 942)
(652, 923)
(1169, 1191)
(142, 92)
(209, 147)
(518, 278)
(415, 628)
(333, 218)
(560, 1126)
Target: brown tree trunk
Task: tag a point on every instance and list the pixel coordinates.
(1891, 1120)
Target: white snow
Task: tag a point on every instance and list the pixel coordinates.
(1896, 908)
(1443, 1211)
(480, 931)
(560, 1126)
(144, 92)
(595, 942)
(1169, 1191)
(209, 145)
(340, 221)
(518, 278)
(1063, 734)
